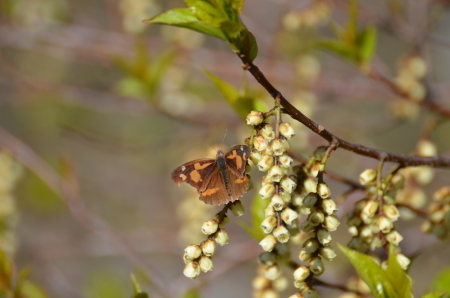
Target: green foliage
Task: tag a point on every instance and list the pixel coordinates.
(240, 101)
(436, 295)
(144, 73)
(218, 18)
(258, 215)
(442, 282)
(352, 45)
(191, 293)
(390, 283)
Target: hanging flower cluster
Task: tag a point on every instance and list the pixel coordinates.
(438, 222)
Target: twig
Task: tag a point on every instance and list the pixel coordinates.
(320, 130)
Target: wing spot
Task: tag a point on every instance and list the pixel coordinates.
(198, 166)
(183, 177)
(240, 180)
(183, 168)
(237, 158)
(195, 176)
(209, 191)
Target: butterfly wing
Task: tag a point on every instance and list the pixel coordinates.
(236, 159)
(215, 192)
(197, 173)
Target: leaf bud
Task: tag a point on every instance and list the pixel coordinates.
(268, 224)
(310, 200)
(255, 118)
(370, 208)
(237, 208)
(309, 292)
(316, 217)
(221, 237)
(267, 132)
(331, 222)
(329, 206)
(192, 252)
(286, 130)
(273, 272)
(323, 190)
(280, 284)
(394, 237)
(327, 253)
(276, 173)
(288, 215)
(210, 227)
(316, 266)
(260, 283)
(255, 156)
(307, 226)
(288, 184)
(260, 143)
(268, 259)
(206, 264)
(285, 160)
(384, 224)
(282, 234)
(277, 203)
(277, 147)
(269, 211)
(310, 185)
(268, 243)
(323, 236)
(191, 270)
(267, 190)
(304, 256)
(208, 247)
(367, 176)
(301, 273)
(311, 245)
(265, 163)
(391, 212)
(403, 261)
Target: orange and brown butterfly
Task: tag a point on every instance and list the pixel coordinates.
(218, 181)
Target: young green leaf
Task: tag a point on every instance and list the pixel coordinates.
(186, 18)
(367, 43)
(340, 48)
(371, 273)
(398, 276)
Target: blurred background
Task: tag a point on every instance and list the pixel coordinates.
(99, 108)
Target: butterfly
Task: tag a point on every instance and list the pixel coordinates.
(218, 181)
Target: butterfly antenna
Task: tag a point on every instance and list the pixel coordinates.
(226, 130)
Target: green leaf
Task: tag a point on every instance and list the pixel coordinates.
(352, 24)
(340, 48)
(442, 281)
(208, 13)
(371, 273)
(236, 5)
(240, 104)
(30, 290)
(397, 276)
(185, 18)
(367, 43)
(247, 45)
(436, 295)
(192, 293)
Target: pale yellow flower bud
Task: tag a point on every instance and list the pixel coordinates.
(206, 264)
(255, 118)
(191, 270)
(260, 143)
(210, 227)
(301, 273)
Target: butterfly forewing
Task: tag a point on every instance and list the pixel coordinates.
(197, 173)
(236, 159)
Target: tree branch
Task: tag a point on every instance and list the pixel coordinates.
(403, 160)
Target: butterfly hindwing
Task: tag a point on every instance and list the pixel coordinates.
(236, 159)
(196, 173)
(216, 192)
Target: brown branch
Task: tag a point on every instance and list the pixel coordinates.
(320, 130)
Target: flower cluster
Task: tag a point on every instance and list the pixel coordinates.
(438, 222)
(269, 280)
(371, 223)
(312, 16)
(411, 71)
(269, 155)
(198, 257)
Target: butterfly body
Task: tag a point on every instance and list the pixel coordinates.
(220, 180)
